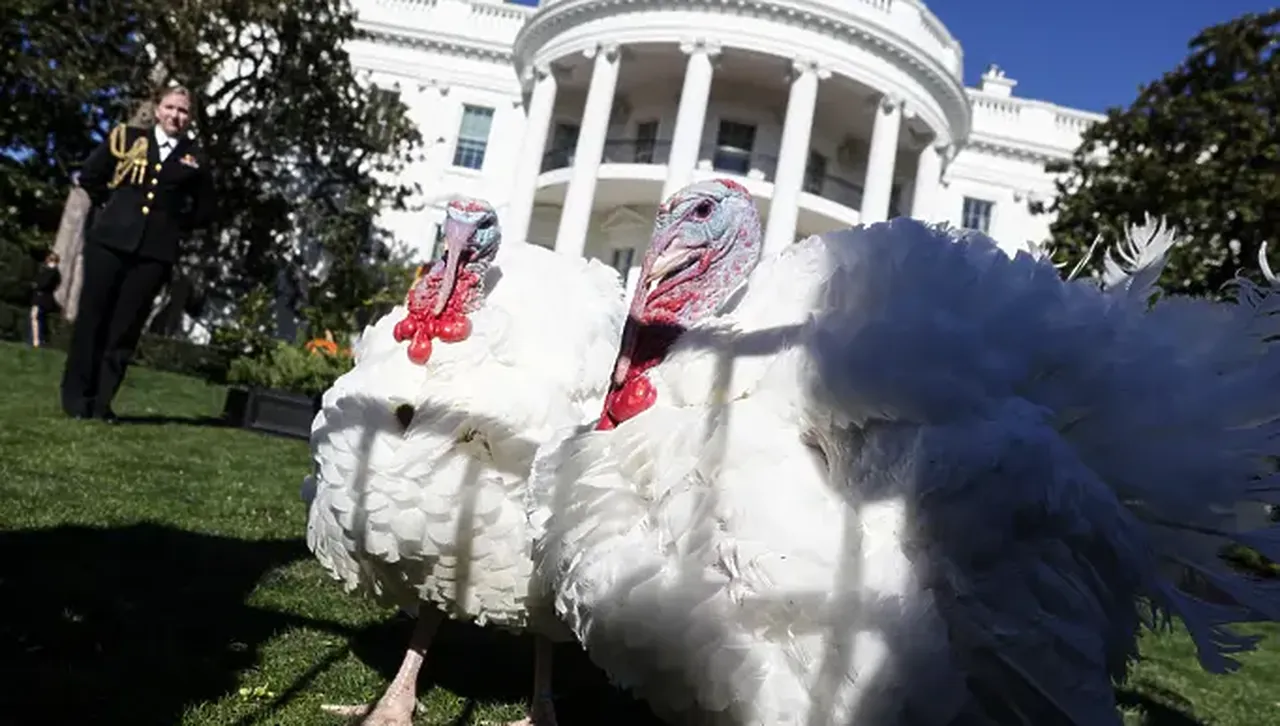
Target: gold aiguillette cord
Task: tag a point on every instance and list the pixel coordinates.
(132, 163)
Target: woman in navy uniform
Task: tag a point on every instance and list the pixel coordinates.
(150, 188)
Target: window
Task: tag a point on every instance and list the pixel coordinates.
(646, 141)
(383, 104)
(815, 173)
(734, 144)
(473, 137)
(977, 214)
(565, 137)
(437, 248)
(564, 142)
(622, 259)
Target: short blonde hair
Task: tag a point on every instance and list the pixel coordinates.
(175, 89)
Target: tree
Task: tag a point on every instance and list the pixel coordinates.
(1200, 147)
(306, 154)
(303, 153)
(68, 71)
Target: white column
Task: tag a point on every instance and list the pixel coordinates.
(537, 125)
(793, 155)
(691, 115)
(878, 185)
(928, 177)
(575, 217)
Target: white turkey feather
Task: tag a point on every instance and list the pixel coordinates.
(909, 479)
(1172, 403)
(433, 508)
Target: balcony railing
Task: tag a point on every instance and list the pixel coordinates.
(727, 159)
(840, 191)
(743, 162)
(636, 151)
(616, 151)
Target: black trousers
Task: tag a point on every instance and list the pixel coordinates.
(117, 294)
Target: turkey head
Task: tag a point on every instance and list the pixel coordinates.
(442, 299)
(706, 241)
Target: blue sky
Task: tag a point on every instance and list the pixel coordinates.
(1087, 54)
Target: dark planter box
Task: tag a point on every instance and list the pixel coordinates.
(270, 411)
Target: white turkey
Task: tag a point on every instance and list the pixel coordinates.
(422, 451)
(904, 478)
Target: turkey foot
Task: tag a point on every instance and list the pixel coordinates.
(541, 710)
(399, 701)
(356, 711)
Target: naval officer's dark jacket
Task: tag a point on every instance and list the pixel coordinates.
(146, 207)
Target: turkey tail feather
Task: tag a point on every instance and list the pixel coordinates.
(1173, 401)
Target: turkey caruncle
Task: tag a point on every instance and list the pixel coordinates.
(906, 478)
(422, 451)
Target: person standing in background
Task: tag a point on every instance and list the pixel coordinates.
(43, 303)
(151, 188)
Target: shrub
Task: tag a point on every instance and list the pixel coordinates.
(291, 367)
(174, 355)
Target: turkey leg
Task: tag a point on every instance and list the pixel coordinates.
(397, 704)
(541, 710)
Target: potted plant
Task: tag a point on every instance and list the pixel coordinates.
(278, 390)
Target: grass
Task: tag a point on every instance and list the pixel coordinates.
(155, 572)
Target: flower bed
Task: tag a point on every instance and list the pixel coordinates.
(278, 391)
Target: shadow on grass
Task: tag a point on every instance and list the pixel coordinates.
(131, 624)
(206, 421)
(1157, 712)
(137, 624)
(486, 665)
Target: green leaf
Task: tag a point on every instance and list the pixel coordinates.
(291, 135)
(1200, 147)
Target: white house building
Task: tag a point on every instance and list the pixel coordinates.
(576, 118)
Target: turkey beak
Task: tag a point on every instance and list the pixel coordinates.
(456, 237)
(627, 349)
(671, 261)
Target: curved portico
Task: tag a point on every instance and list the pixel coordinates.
(837, 86)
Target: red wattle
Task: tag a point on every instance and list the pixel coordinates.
(421, 326)
(405, 329)
(453, 328)
(606, 423)
(420, 348)
(636, 396)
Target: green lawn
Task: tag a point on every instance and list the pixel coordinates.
(155, 572)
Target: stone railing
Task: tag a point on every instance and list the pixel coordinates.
(937, 40)
(907, 19)
(484, 21)
(1035, 122)
(496, 22)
